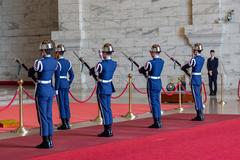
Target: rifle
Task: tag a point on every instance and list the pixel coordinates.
(27, 69)
(135, 63)
(91, 70)
(184, 68)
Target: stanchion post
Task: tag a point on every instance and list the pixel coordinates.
(130, 115)
(180, 95)
(222, 102)
(162, 111)
(203, 95)
(238, 91)
(98, 119)
(21, 130)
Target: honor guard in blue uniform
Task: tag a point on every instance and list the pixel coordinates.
(105, 70)
(64, 85)
(196, 63)
(154, 69)
(45, 68)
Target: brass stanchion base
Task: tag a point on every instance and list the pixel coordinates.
(130, 116)
(180, 109)
(21, 131)
(98, 120)
(222, 103)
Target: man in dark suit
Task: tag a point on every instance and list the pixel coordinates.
(212, 65)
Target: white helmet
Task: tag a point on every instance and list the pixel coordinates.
(155, 48)
(61, 48)
(46, 44)
(107, 47)
(198, 47)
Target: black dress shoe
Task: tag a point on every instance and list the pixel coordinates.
(107, 131)
(156, 125)
(50, 141)
(68, 124)
(105, 134)
(201, 115)
(202, 118)
(45, 143)
(62, 127)
(198, 118)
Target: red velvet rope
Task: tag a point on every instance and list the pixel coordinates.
(31, 97)
(239, 89)
(10, 103)
(205, 92)
(138, 90)
(83, 101)
(185, 90)
(124, 90)
(172, 92)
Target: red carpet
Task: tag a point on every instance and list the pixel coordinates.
(79, 112)
(216, 138)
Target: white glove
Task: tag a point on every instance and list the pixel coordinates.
(204, 106)
(56, 92)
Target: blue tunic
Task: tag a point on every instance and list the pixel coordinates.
(106, 69)
(197, 64)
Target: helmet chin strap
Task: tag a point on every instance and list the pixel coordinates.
(108, 57)
(43, 53)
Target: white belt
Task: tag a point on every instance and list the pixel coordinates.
(44, 82)
(153, 77)
(63, 77)
(196, 74)
(105, 81)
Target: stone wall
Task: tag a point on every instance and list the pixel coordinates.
(23, 24)
(133, 26)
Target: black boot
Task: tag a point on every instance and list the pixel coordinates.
(110, 133)
(68, 124)
(45, 143)
(201, 115)
(157, 123)
(50, 141)
(198, 117)
(63, 126)
(107, 131)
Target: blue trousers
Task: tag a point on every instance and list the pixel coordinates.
(44, 111)
(154, 103)
(104, 103)
(63, 103)
(196, 92)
